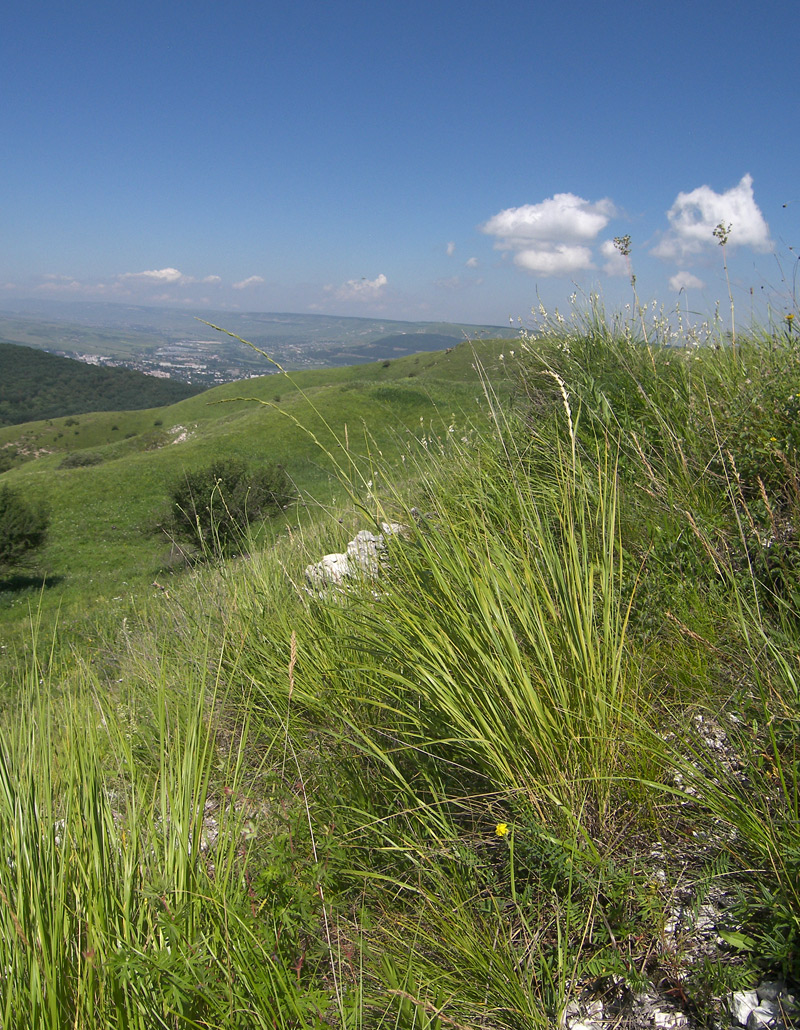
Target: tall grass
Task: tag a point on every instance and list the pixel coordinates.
(465, 791)
(501, 640)
(129, 890)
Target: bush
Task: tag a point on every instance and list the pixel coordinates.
(80, 459)
(7, 456)
(23, 528)
(213, 506)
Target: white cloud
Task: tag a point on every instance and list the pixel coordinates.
(616, 262)
(251, 280)
(171, 285)
(550, 238)
(157, 275)
(451, 249)
(67, 284)
(685, 281)
(694, 216)
(168, 277)
(554, 260)
(563, 218)
(471, 263)
(362, 289)
(60, 283)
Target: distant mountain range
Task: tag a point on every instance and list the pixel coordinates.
(165, 341)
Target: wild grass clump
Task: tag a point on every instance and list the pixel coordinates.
(502, 774)
(154, 893)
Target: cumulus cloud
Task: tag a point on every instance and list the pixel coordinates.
(563, 218)
(251, 280)
(166, 277)
(68, 284)
(694, 216)
(558, 259)
(362, 289)
(471, 262)
(685, 281)
(170, 285)
(552, 237)
(157, 275)
(60, 284)
(451, 248)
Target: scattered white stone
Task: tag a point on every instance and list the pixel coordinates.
(332, 570)
(650, 1009)
(594, 1010)
(668, 1018)
(365, 554)
(741, 1004)
(589, 1016)
(366, 549)
(764, 1015)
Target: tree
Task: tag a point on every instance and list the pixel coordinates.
(213, 506)
(23, 527)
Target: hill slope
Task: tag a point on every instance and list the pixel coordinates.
(37, 385)
(105, 475)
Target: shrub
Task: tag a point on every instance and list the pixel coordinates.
(7, 456)
(80, 459)
(23, 527)
(213, 506)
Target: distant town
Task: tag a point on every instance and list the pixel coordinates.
(199, 362)
(161, 342)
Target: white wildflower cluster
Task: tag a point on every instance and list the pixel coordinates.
(650, 323)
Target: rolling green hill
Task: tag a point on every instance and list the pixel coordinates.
(37, 385)
(104, 539)
(546, 758)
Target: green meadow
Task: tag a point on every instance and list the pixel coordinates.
(105, 539)
(502, 780)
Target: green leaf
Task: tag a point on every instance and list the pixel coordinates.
(737, 940)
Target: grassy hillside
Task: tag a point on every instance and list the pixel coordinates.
(104, 540)
(543, 766)
(36, 385)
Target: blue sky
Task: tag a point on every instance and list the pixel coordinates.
(432, 160)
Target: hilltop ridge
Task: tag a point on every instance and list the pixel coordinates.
(37, 385)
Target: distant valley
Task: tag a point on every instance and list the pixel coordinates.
(167, 343)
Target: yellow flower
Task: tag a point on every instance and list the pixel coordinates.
(501, 829)
(773, 439)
